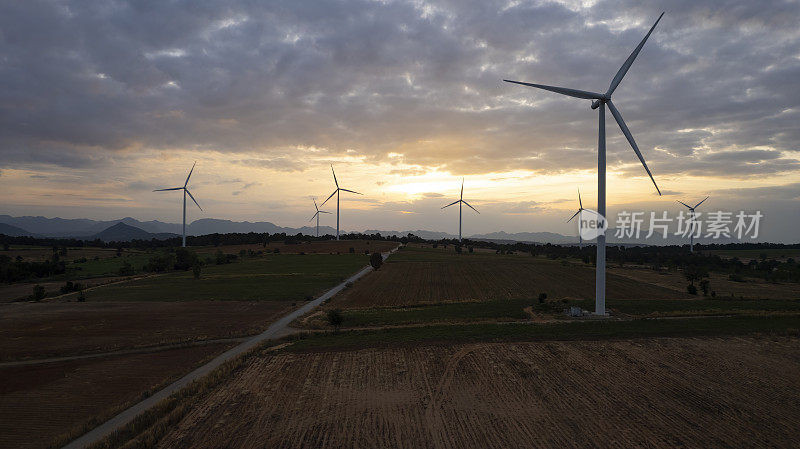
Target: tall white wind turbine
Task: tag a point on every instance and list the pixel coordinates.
(185, 192)
(336, 192)
(460, 202)
(580, 209)
(599, 102)
(316, 215)
(692, 217)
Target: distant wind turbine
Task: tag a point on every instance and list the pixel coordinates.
(692, 219)
(600, 101)
(336, 192)
(185, 192)
(580, 209)
(460, 202)
(316, 215)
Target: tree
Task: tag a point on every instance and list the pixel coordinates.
(542, 297)
(38, 292)
(126, 269)
(335, 318)
(185, 259)
(376, 260)
(196, 270)
(704, 286)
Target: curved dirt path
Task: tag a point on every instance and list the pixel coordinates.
(275, 330)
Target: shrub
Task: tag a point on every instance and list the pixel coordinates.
(542, 297)
(220, 257)
(736, 277)
(348, 284)
(470, 249)
(38, 292)
(196, 270)
(309, 297)
(691, 289)
(335, 318)
(376, 260)
(704, 286)
(352, 250)
(126, 269)
(70, 287)
(81, 297)
(159, 263)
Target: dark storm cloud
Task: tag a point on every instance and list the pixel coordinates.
(714, 92)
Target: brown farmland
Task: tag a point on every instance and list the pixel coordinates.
(40, 403)
(661, 393)
(39, 330)
(489, 277)
(719, 283)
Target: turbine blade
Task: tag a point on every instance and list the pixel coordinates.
(334, 177)
(351, 191)
(690, 207)
(313, 216)
(576, 214)
(701, 202)
(563, 90)
(190, 175)
(462, 188)
(164, 190)
(454, 202)
(580, 203)
(627, 132)
(326, 200)
(190, 196)
(325, 212)
(315, 204)
(476, 210)
(628, 62)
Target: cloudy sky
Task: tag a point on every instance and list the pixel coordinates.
(103, 101)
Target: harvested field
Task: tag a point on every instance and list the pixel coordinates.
(40, 403)
(408, 279)
(40, 330)
(659, 393)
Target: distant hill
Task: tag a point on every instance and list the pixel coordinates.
(122, 232)
(13, 231)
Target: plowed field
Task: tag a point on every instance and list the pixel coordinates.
(665, 393)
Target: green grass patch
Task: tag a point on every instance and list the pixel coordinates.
(108, 266)
(568, 330)
(287, 277)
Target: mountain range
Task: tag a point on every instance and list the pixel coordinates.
(129, 228)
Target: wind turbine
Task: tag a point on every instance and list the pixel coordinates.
(316, 214)
(600, 102)
(185, 192)
(692, 218)
(460, 202)
(580, 209)
(336, 192)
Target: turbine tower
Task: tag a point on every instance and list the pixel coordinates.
(580, 209)
(692, 219)
(599, 102)
(185, 192)
(316, 214)
(336, 192)
(460, 202)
